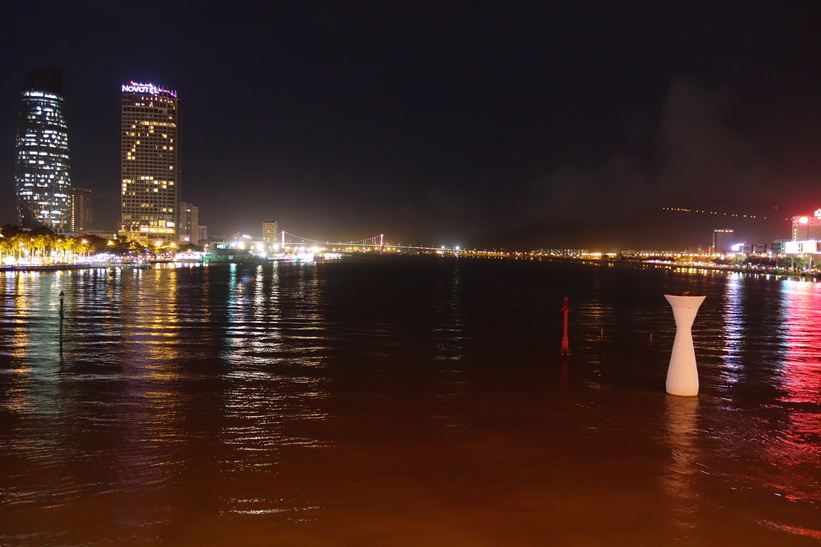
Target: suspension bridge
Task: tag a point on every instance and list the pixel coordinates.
(289, 240)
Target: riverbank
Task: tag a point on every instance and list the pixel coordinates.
(758, 270)
(49, 267)
(748, 269)
(66, 267)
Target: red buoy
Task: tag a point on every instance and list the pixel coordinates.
(565, 341)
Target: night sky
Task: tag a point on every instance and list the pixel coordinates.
(449, 122)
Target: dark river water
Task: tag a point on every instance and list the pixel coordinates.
(405, 401)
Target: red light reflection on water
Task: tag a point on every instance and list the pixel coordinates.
(798, 451)
(801, 305)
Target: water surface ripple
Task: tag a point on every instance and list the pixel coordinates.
(405, 401)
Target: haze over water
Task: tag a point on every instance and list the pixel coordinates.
(405, 401)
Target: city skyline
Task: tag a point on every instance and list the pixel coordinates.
(445, 124)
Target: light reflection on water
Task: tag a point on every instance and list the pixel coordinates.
(414, 400)
(680, 477)
(802, 342)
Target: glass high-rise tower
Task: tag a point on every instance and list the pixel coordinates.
(42, 169)
(150, 151)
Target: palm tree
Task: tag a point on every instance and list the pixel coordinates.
(5, 248)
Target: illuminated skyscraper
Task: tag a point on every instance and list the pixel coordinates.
(150, 150)
(42, 170)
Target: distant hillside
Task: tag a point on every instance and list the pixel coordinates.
(662, 229)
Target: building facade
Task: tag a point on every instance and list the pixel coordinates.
(80, 209)
(270, 231)
(189, 223)
(42, 172)
(723, 240)
(150, 154)
(807, 227)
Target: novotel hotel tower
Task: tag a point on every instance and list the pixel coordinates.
(150, 148)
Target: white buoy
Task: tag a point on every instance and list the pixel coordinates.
(682, 374)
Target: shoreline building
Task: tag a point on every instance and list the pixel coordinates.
(80, 209)
(42, 173)
(807, 227)
(723, 240)
(150, 156)
(189, 222)
(270, 233)
(805, 234)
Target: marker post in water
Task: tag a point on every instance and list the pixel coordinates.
(682, 374)
(565, 341)
(62, 294)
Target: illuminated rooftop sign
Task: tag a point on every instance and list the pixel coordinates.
(134, 87)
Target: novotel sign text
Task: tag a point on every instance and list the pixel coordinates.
(134, 87)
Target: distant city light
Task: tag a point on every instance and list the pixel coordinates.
(716, 213)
